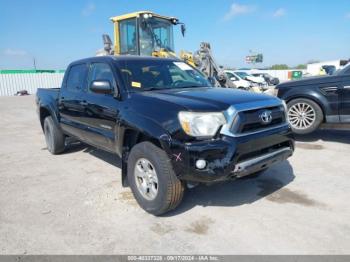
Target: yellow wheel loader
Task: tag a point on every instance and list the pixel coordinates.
(145, 33)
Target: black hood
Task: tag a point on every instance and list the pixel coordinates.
(309, 81)
(205, 99)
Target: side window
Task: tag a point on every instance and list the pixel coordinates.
(230, 75)
(76, 78)
(128, 40)
(101, 71)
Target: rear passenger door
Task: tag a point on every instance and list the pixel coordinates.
(70, 101)
(101, 110)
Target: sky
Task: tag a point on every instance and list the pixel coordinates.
(56, 33)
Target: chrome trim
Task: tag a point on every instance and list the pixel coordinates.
(233, 111)
(344, 118)
(346, 87)
(329, 88)
(332, 119)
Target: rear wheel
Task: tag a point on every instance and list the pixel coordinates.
(55, 139)
(152, 180)
(304, 115)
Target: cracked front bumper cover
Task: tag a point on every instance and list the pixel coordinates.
(231, 157)
(262, 162)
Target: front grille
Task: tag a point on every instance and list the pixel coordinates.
(250, 120)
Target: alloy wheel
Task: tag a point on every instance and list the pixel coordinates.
(146, 179)
(301, 116)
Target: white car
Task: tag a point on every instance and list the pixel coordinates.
(239, 82)
(255, 79)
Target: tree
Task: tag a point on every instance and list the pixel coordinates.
(279, 67)
(301, 66)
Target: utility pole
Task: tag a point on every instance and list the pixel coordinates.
(34, 63)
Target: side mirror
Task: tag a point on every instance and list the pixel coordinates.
(233, 79)
(101, 87)
(183, 29)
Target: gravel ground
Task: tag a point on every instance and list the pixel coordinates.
(74, 203)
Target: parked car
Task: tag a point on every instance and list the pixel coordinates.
(270, 80)
(167, 124)
(260, 81)
(316, 100)
(239, 82)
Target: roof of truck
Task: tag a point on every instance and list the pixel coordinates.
(122, 58)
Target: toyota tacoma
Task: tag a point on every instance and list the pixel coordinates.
(170, 128)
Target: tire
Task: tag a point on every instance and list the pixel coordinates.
(170, 189)
(55, 139)
(304, 115)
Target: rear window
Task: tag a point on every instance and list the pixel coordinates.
(77, 77)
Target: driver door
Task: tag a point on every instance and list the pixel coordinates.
(101, 110)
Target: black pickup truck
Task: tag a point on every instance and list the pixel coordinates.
(317, 100)
(170, 128)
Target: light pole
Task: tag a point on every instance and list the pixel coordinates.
(34, 63)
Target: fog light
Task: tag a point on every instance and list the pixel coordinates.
(201, 164)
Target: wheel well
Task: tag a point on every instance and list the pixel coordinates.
(313, 100)
(133, 137)
(43, 114)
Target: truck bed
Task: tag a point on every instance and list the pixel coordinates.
(48, 93)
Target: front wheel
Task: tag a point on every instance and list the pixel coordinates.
(304, 115)
(152, 179)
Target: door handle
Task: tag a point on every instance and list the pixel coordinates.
(83, 103)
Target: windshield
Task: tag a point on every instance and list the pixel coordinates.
(143, 75)
(344, 71)
(242, 74)
(155, 33)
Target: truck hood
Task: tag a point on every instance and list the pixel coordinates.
(205, 99)
(309, 81)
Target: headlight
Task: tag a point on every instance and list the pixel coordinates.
(201, 124)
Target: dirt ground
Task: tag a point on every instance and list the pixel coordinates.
(74, 203)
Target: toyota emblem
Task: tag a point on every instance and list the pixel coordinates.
(265, 117)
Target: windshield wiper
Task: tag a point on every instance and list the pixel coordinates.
(153, 88)
(191, 86)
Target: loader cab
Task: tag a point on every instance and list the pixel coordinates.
(144, 33)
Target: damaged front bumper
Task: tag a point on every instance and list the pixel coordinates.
(261, 162)
(230, 157)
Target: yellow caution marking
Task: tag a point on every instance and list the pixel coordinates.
(136, 84)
